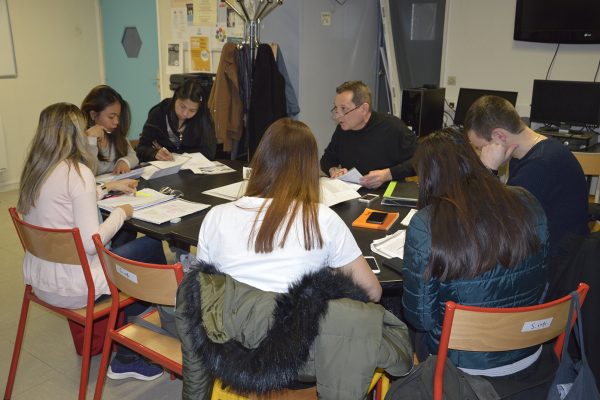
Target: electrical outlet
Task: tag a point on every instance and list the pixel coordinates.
(326, 18)
(451, 81)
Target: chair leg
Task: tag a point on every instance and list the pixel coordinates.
(85, 358)
(106, 352)
(17, 349)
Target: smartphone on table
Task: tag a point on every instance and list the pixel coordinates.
(376, 217)
(373, 264)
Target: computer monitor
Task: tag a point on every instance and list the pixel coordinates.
(466, 97)
(565, 103)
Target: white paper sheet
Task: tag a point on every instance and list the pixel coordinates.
(229, 192)
(133, 174)
(352, 176)
(408, 217)
(142, 199)
(334, 191)
(164, 212)
(390, 246)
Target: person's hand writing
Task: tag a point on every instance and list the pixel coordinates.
(121, 167)
(127, 186)
(95, 131)
(376, 178)
(128, 210)
(336, 172)
(163, 155)
(493, 155)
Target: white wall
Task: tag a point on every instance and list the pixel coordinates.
(318, 58)
(57, 55)
(480, 51)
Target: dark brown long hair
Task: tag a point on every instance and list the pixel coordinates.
(476, 221)
(285, 171)
(97, 100)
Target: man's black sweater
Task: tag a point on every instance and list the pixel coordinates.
(384, 142)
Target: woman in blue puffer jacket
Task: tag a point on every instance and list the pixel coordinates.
(474, 241)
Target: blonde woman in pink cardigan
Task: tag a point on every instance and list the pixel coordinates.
(58, 190)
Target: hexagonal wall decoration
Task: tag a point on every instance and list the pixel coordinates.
(132, 43)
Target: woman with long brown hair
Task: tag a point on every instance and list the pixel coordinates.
(474, 241)
(279, 231)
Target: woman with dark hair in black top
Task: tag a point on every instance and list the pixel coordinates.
(178, 124)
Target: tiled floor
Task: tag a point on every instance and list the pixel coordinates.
(49, 368)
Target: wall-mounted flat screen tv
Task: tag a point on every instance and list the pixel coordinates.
(558, 21)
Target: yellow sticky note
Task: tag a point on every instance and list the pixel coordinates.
(142, 194)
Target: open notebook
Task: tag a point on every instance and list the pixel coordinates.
(152, 206)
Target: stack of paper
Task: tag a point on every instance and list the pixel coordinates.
(199, 164)
(163, 212)
(142, 199)
(214, 169)
(156, 169)
(229, 192)
(390, 246)
(334, 191)
(133, 174)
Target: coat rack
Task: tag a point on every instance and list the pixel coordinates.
(252, 19)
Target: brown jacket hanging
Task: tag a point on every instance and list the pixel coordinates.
(225, 103)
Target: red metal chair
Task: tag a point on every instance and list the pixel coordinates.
(152, 283)
(500, 329)
(60, 246)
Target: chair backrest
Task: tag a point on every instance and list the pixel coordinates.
(54, 245)
(499, 329)
(590, 163)
(153, 283)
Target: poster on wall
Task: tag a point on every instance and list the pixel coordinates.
(199, 54)
(205, 12)
(178, 24)
(175, 58)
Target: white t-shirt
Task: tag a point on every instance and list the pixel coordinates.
(223, 242)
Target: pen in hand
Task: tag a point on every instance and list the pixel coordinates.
(162, 154)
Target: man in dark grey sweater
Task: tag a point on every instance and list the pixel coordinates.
(379, 146)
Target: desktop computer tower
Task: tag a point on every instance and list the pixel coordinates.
(423, 109)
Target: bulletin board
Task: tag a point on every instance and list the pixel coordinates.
(199, 29)
(8, 66)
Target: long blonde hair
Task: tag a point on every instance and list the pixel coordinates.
(285, 171)
(59, 137)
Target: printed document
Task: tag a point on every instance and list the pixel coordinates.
(164, 212)
(334, 191)
(142, 199)
(390, 246)
(352, 176)
(133, 174)
(229, 192)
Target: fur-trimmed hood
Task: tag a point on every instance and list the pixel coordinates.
(275, 362)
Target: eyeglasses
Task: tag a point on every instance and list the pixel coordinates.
(335, 113)
(171, 192)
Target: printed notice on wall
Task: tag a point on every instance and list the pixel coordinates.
(199, 54)
(205, 12)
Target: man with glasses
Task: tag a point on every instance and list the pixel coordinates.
(378, 145)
